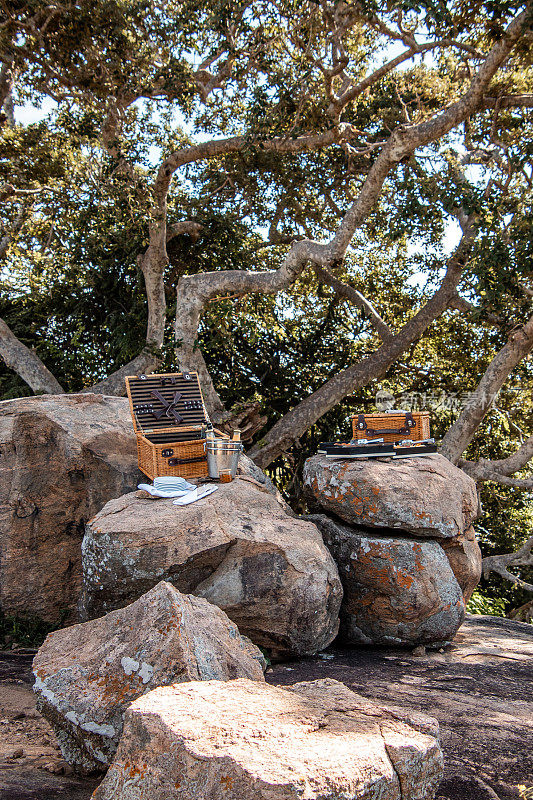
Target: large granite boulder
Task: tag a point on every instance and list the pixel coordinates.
(238, 548)
(86, 675)
(427, 497)
(397, 591)
(250, 741)
(61, 459)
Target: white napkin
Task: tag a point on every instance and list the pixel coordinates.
(197, 494)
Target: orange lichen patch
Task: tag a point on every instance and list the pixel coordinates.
(423, 515)
(172, 624)
(367, 565)
(357, 504)
(117, 688)
(227, 782)
(355, 496)
(403, 579)
(375, 489)
(417, 550)
(134, 770)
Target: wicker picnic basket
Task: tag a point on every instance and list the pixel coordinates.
(170, 420)
(392, 426)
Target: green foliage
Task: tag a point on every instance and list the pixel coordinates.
(480, 604)
(25, 631)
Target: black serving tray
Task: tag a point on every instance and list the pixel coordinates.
(333, 450)
(405, 451)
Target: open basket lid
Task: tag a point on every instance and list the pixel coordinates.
(165, 402)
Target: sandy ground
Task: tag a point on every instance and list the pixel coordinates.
(31, 767)
(480, 689)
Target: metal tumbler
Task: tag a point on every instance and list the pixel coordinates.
(222, 454)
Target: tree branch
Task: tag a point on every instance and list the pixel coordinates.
(291, 426)
(193, 229)
(461, 433)
(355, 90)
(355, 297)
(6, 82)
(509, 101)
(500, 563)
(500, 470)
(233, 144)
(460, 304)
(26, 363)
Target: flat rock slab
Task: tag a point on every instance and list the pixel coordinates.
(249, 741)
(480, 689)
(86, 675)
(238, 548)
(427, 497)
(397, 590)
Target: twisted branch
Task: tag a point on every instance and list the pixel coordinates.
(521, 558)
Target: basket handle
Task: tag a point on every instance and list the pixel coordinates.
(363, 426)
(175, 462)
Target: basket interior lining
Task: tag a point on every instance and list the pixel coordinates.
(140, 393)
(169, 438)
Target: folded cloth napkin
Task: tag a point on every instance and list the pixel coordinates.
(165, 492)
(197, 494)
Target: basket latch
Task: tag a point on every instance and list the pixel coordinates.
(361, 423)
